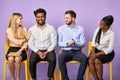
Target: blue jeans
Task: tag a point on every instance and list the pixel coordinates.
(68, 55)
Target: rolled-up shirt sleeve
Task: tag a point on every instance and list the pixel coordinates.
(31, 44)
(60, 39)
(111, 44)
(81, 41)
(53, 38)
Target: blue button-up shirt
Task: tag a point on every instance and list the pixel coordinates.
(65, 34)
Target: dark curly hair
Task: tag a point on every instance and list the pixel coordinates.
(40, 10)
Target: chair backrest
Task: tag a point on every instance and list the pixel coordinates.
(89, 47)
(6, 47)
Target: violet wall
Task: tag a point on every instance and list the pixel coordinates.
(89, 14)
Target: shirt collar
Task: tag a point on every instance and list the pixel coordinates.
(108, 31)
(43, 27)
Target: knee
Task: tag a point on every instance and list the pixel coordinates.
(97, 61)
(11, 60)
(90, 61)
(18, 59)
(52, 60)
(84, 59)
(32, 61)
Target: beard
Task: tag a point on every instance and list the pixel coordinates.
(41, 22)
(69, 23)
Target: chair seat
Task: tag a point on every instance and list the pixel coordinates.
(44, 62)
(73, 62)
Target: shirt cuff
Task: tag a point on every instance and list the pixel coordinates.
(35, 50)
(49, 50)
(107, 51)
(63, 44)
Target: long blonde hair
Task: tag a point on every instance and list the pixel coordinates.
(13, 25)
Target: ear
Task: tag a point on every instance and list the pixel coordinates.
(45, 17)
(73, 19)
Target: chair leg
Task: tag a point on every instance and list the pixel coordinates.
(5, 69)
(30, 78)
(59, 74)
(87, 73)
(110, 64)
(54, 76)
(26, 70)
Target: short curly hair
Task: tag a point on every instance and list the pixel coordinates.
(40, 10)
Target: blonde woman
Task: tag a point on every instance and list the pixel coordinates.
(17, 40)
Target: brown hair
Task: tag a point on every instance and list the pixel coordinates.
(71, 12)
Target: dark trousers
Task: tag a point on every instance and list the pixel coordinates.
(34, 59)
(68, 55)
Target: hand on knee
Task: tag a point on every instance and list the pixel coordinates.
(97, 62)
(90, 61)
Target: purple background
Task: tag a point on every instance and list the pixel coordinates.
(89, 14)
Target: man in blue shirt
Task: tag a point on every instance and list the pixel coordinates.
(71, 39)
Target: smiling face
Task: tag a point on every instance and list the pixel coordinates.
(40, 18)
(69, 19)
(19, 20)
(102, 24)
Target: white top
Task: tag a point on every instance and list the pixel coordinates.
(42, 39)
(107, 41)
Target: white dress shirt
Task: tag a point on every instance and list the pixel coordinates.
(42, 39)
(107, 41)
